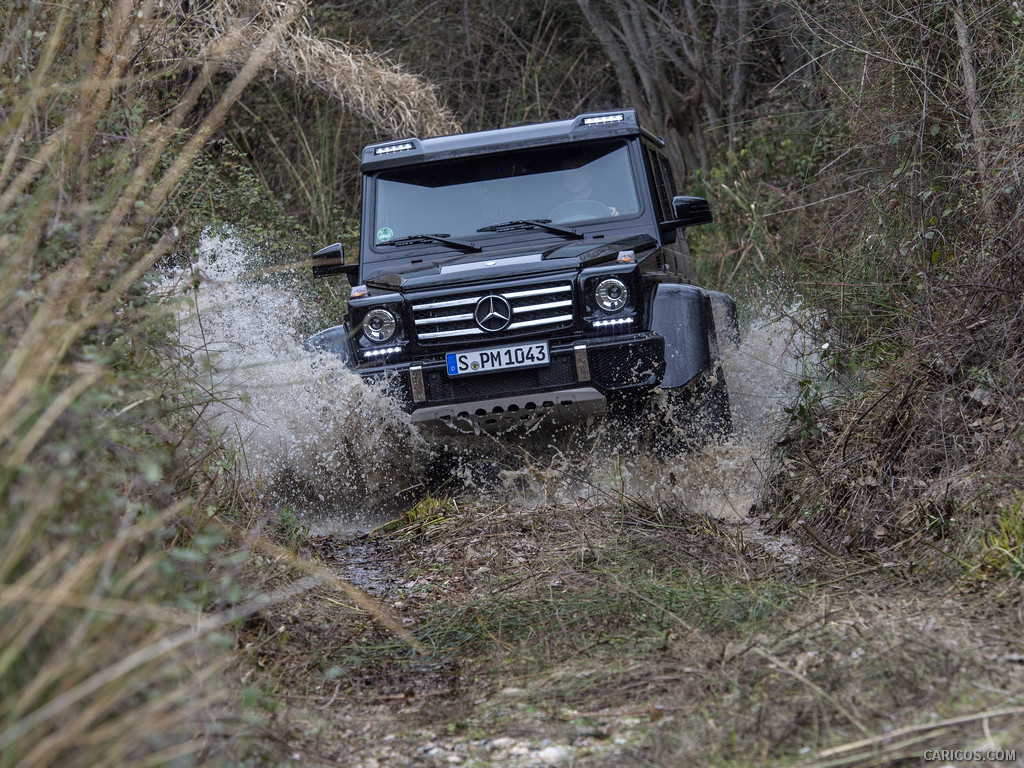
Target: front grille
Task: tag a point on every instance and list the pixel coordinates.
(441, 387)
(544, 307)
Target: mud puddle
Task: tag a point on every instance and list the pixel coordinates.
(358, 560)
(318, 444)
(310, 437)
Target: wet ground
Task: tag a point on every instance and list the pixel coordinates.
(590, 634)
(578, 601)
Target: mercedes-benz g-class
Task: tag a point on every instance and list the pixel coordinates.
(533, 272)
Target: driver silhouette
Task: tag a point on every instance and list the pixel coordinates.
(579, 182)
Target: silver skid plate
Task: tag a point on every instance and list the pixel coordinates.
(503, 414)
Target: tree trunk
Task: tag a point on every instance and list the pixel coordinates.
(686, 66)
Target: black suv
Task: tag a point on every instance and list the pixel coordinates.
(529, 272)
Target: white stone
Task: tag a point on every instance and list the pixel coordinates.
(553, 755)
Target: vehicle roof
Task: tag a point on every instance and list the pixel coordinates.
(593, 125)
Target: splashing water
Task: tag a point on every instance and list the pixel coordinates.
(721, 480)
(313, 437)
(762, 372)
(318, 441)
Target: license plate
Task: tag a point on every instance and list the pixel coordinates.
(497, 359)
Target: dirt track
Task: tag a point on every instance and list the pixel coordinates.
(610, 632)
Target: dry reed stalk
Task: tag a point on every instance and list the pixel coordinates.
(98, 667)
(395, 101)
(363, 601)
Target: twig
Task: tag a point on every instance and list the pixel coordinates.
(814, 687)
(892, 754)
(910, 729)
(811, 531)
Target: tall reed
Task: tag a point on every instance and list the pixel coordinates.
(109, 651)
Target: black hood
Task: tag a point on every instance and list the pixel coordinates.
(489, 266)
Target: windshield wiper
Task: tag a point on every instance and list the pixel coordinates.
(442, 238)
(540, 223)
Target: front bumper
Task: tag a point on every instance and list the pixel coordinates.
(574, 386)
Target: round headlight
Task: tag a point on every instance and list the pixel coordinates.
(379, 325)
(611, 294)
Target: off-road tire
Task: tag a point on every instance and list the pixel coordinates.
(689, 417)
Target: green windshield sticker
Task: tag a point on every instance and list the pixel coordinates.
(384, 234)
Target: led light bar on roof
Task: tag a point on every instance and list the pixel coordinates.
(603, 119)
(392, 148)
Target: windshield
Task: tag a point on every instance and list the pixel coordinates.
(567, 184)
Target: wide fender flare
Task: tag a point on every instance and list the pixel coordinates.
(683, 316)
(333, 341)
(726, 318)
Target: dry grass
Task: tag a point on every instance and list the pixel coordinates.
(618, 637)
(919, 265)
(99, 665)
(394, 101)
(118, 584)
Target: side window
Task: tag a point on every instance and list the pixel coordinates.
(669, 185)
(664, 186)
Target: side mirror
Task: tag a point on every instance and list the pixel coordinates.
(689, 212)
(331, 261)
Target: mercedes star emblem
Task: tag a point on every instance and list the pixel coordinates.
(493, 313)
